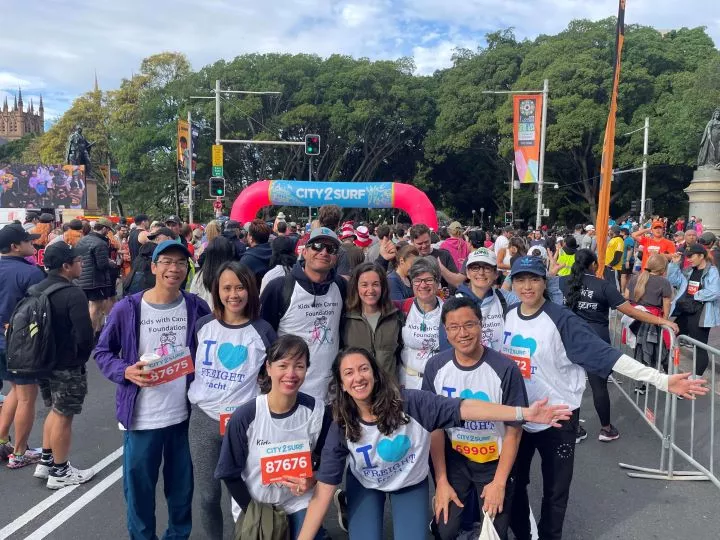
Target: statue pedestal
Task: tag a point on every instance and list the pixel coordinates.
(704, 195)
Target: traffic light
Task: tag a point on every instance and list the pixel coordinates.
(634, 207)
(312, 145)
(508, 218)
(649, 207)
(217, 186)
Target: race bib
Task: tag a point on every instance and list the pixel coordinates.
(693, 287)
(477, 451)
(521, 356)
(285, 459)
(225, 417)
(170, 367)
(653, 249)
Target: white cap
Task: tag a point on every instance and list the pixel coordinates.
(538, 251)
(589, 228)
(482, 255)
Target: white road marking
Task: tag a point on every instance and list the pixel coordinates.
(72, 509)
(46, 503)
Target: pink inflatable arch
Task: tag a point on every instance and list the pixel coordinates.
(405, 197)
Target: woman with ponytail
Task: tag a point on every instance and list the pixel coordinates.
(592, 299)
(650, 288)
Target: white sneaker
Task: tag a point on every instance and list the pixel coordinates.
(42, 471)
(71, 477)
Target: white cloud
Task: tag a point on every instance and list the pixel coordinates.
(68, 41)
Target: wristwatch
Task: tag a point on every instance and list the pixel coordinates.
(519, 414)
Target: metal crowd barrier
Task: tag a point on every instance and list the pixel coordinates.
(688, 437)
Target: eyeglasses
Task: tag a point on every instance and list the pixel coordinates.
(426, 281)
(332, 249)
(468, 327)
(478, 269)
(176, 264)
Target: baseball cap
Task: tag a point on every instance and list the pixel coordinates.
(538, 251)
(46, 218)
(58, 253)
(166, 245)
(528, 265)
(696, 249)
(14, 234)
(482, 255)
(292, 224)
(589, 228)
(173, 219)
(658, 223)
(707, 238)
(105, 222)
(323, 233)
(455, 226)
(166, 231)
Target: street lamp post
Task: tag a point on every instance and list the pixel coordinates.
(473, 213)
(482, 216)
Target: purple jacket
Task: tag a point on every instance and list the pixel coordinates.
(117, 347)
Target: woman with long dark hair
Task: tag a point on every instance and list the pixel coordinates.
(554, 348)
(592, 299)
(371, 320)
(267, 452)
(232, 341)
(381, 435)
(218, 252)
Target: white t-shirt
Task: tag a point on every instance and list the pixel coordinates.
(317, 320)
(227, 363)
(553, 348)
(421, 341)
(163, 330)
(501, 242)
(274, 272)
(495, 379)
(389, 462)
(254, 433)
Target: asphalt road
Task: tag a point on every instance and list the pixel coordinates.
(605, 503)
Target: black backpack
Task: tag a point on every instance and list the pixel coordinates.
(29, 337)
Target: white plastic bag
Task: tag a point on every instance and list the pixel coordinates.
(488, 531)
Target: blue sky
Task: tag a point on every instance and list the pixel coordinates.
(54, 46)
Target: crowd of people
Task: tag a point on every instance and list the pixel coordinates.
(342, 364)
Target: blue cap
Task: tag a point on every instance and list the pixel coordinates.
(529, 265)
(169, 244)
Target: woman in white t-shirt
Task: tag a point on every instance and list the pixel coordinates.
(231, 350)
(421, 332)
(380, 435)
(267, 453)
(553, 348)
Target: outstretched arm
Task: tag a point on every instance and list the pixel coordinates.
(316, 510)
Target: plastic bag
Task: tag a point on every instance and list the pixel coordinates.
(488, 531)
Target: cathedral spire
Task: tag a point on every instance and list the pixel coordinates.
(5, 105)
(41, 109)
(32, 108)
(97, 86)
(20, 101)
(15, 105)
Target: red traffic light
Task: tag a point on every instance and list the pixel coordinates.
(312, 145)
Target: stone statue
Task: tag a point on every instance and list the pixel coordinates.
(709, 155)
(78, 150)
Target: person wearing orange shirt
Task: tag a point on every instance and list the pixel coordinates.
(657, 243)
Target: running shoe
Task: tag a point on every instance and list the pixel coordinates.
(580, 434)
(42, 470)
(341, 506)
(28, 458)
(608, 434)
(69, 477)
(6, 450)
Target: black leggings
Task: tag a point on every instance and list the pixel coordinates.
(690, 326)
(601, 397)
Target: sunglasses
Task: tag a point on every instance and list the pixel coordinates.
(332, 249)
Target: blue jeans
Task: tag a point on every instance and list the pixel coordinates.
(295, 522)
(410, 511)
(144, 450)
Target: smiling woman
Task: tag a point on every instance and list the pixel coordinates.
(382, 436)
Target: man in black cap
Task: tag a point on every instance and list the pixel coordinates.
(709, 241)
(65, 387)
(174, 223)
(31, 219)
(18, 275)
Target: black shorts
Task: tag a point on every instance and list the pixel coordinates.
(626, 271)
(99, 294)
(64, 390)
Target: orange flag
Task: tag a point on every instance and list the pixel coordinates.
(606, 169)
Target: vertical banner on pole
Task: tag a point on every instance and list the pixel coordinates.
(606, 169)
(526, 136)
(183, 144)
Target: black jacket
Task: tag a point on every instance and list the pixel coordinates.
(257, 259)
(95, 262)
(71, 324)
